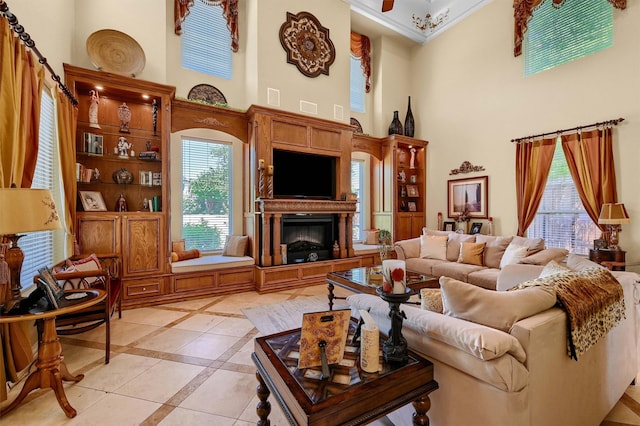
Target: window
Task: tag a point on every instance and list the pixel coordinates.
(561, 219)
(206, 42)
(206, 190)
(47, 247)
(557, 35)
(357, 171)
(357, 85)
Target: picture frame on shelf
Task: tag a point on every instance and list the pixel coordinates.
(412, 206)
(93, 144)
(449, 226)
(412, 191)
(475, 228)
(600, 244)
(92, 201)
(468, 196)
(49, 286)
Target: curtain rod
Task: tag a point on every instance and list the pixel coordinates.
(28, 41)
(558, 132)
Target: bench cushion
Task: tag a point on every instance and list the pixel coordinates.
(210, 263)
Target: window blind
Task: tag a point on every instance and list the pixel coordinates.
(357, 172)
(206, 42)
(561, 218)
(206, 201)
(356, 85)
(559, 35)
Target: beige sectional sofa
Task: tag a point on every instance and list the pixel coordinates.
(484, 271)
(520, 375)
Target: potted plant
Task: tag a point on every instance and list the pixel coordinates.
(384, 243)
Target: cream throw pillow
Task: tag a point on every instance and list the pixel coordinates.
(495, 309)
(471, 253)
(513, 254)
(545, 256)
(236, 246)
(580, 263)
(553, 268)
(433, 247)
(494, 249)
(431, 299)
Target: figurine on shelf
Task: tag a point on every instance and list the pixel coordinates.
(402, 176)
(124, 115)
(94, 101)
(412, 162)
(121, 204)
(123, 146)
(154, 109)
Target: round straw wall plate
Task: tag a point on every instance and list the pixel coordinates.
(116, 52)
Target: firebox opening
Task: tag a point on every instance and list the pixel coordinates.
(309, 238)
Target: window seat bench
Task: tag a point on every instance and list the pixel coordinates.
(210, 263)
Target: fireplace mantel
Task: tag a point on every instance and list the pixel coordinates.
(289, 206)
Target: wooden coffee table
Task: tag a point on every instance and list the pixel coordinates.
(367, 279)
(349, 397)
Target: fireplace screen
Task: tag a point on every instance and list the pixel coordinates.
(308, 237)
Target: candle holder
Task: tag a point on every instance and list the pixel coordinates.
(394, 349)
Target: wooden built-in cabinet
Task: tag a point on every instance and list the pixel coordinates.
(138, 235)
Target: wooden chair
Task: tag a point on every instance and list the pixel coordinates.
(107, 279)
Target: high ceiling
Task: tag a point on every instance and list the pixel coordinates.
(417, 20)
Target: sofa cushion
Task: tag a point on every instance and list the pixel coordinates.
(553, 268)
(485, 278)
(422, 266)
(236, 246)
(579, 263)
(453, 245)
(431, 299)
(433, 247)
(513, 254)
(534, 245)
(471, 253)
(545, 256)
(494, 249)
(427, 231)
(459, 271)
(496, 309)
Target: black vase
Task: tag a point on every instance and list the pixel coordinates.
(395, 128)
(409, 124)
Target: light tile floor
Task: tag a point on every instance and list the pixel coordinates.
(184, 363)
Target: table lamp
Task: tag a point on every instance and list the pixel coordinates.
(613, 215)
(24, 210)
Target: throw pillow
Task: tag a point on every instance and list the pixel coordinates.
(545, 256)
(553, 268)
(185, 255)
(580, 263)
(431, 299)
(453, 245)
(427, 231)
(236, 246)
(513, 254)
(533, 244)
(495, 309)
(471, 253)
(89, 263)
(177, 246)
(433, 247)
(494, 249)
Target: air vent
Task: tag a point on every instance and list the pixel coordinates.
(273, 97)
(338, 112)
(308, 107)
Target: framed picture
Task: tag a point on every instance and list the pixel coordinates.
(93, 144)
(449, 226)
(412, 206)
(600, 244)
(412, 191)
(475, 228)
(92, 201)
(468, 195)
(49, 285)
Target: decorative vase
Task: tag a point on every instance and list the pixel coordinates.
(124, 115)
(122, 176)
(395, 128)
(409, 124)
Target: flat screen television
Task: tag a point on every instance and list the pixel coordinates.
(301, 175)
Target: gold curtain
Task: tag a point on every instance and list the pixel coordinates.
(361, 48)
(533, 161)
(590, 159)
(523, 11)
(67, 118)
(229, 11)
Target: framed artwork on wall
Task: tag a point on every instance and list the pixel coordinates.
(468, 196)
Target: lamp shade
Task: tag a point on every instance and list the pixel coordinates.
(27, 210)
(613, 214)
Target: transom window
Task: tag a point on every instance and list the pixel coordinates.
(206, 194)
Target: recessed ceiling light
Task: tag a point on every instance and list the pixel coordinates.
(99, 87)
(145, 96)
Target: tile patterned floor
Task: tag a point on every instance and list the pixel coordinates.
(185, 363)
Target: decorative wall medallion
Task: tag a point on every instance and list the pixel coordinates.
(355, 122)
(206, 93)
(307, 44)
(466, 167)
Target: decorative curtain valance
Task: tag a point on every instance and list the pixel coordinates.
(361, 48)
(229, 11)
(523, 11)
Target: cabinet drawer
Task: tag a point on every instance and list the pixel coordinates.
(344, 265)
(315, 271)
(281, 275)
(143, 288)
(194, 283)
(235, 277)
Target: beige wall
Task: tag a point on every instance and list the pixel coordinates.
(471, 99)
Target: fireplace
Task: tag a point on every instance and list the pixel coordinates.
(308, 237)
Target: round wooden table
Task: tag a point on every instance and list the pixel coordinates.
(50, 368)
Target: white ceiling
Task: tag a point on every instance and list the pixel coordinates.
(417, 20)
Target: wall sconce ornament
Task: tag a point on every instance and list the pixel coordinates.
(307, 44)
(466, 167)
